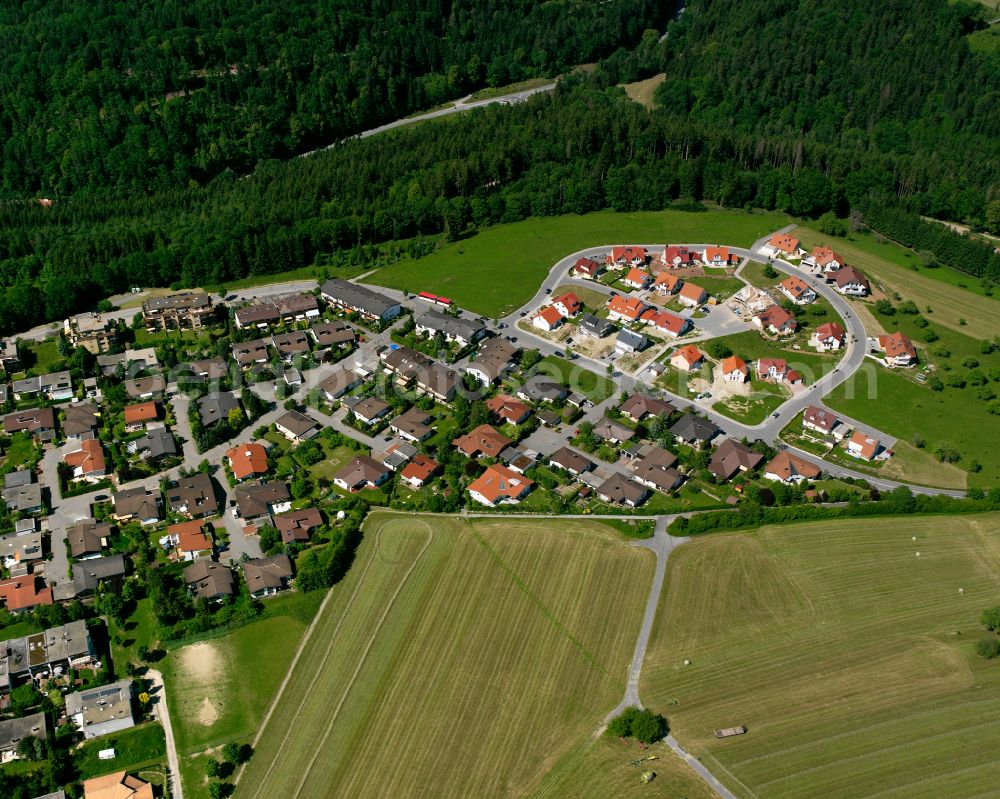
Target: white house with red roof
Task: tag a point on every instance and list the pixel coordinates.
(499, 486)
(719, 257)
(823, 259)
(773, 369)
(863, 446)
(735, 369)
(628, 309)
(568, 305)
(666, 322)
(687, 358)
(828, 337)
(587, 268)
(897, 349)
(667, 283)
(797, 290)
(548, 318)
(674, 257)
(776, 320)
(692, 295)
(783, 245)
(637, 278)
(626, 256)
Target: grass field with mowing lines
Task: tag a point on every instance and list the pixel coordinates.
(500, 268)
(953, 295)
(456, 659)
(850, 660)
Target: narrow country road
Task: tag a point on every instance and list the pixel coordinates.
(162, 713)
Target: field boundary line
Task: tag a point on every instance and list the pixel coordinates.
(545, 611)
(364, 656)
(291, 669)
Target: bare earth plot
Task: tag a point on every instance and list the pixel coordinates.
(850, 659)
(456, 659)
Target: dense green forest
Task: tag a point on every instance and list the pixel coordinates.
(145, 95)
(582, 148)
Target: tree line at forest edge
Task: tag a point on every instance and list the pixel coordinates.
(584, 148)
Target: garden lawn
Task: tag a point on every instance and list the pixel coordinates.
(751, 346)
(850, 660)
(46, 356)
(718, 287)
(749, 410)
(135, 748)
(20, 452)
(456, 659)
(905, 409)
(219, 689)
(953, 295)
(500, 268)
(596, 388)
(753, 273)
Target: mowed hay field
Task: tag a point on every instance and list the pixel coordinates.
(456, 659)
(850, 659)
(898, 269)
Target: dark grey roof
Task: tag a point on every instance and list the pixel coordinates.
(452, 326)
(88, 573)
(157, 443)
(539, 388)
(13, 730)
(694, 428)
(21, 477)
(636, 341)
(357, 297)
(215, 406)
(595, 325)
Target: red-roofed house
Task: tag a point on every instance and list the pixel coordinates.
(622, 308)
(784, 245)
(22, 594)
(687, 358)
(862, 446)
(666, 322)
(828, 336)
(499, 485)
(548, 318)
(247, 461)
(667, 283)
(418, 471)
(775, 319)
(735, 370)
(793, 378)
(621, 257)
(772, 369)
(719, 256)
(587, 268)
(137, 415)
(898, 349)
(483, 440)
(637, 278)
(511, 410)
(88, 462)
(674, 257)
(692, 295)
(797, 290)
(189, 540)
(824, 259)
(568, 304)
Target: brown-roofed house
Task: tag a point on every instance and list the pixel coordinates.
(257, 501)
(266, 576)
(38, 421)
(639, 406)
(247, 461)
(622, 490)
(80, 421)
(209, 580)
(296, 526)
(732, 457)
(87, 538)
(296, 426)
(788, 468)
(362, 472)
(412, 425)
(484, 440)
(656, 470)
(573, 462)
(193, 496)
